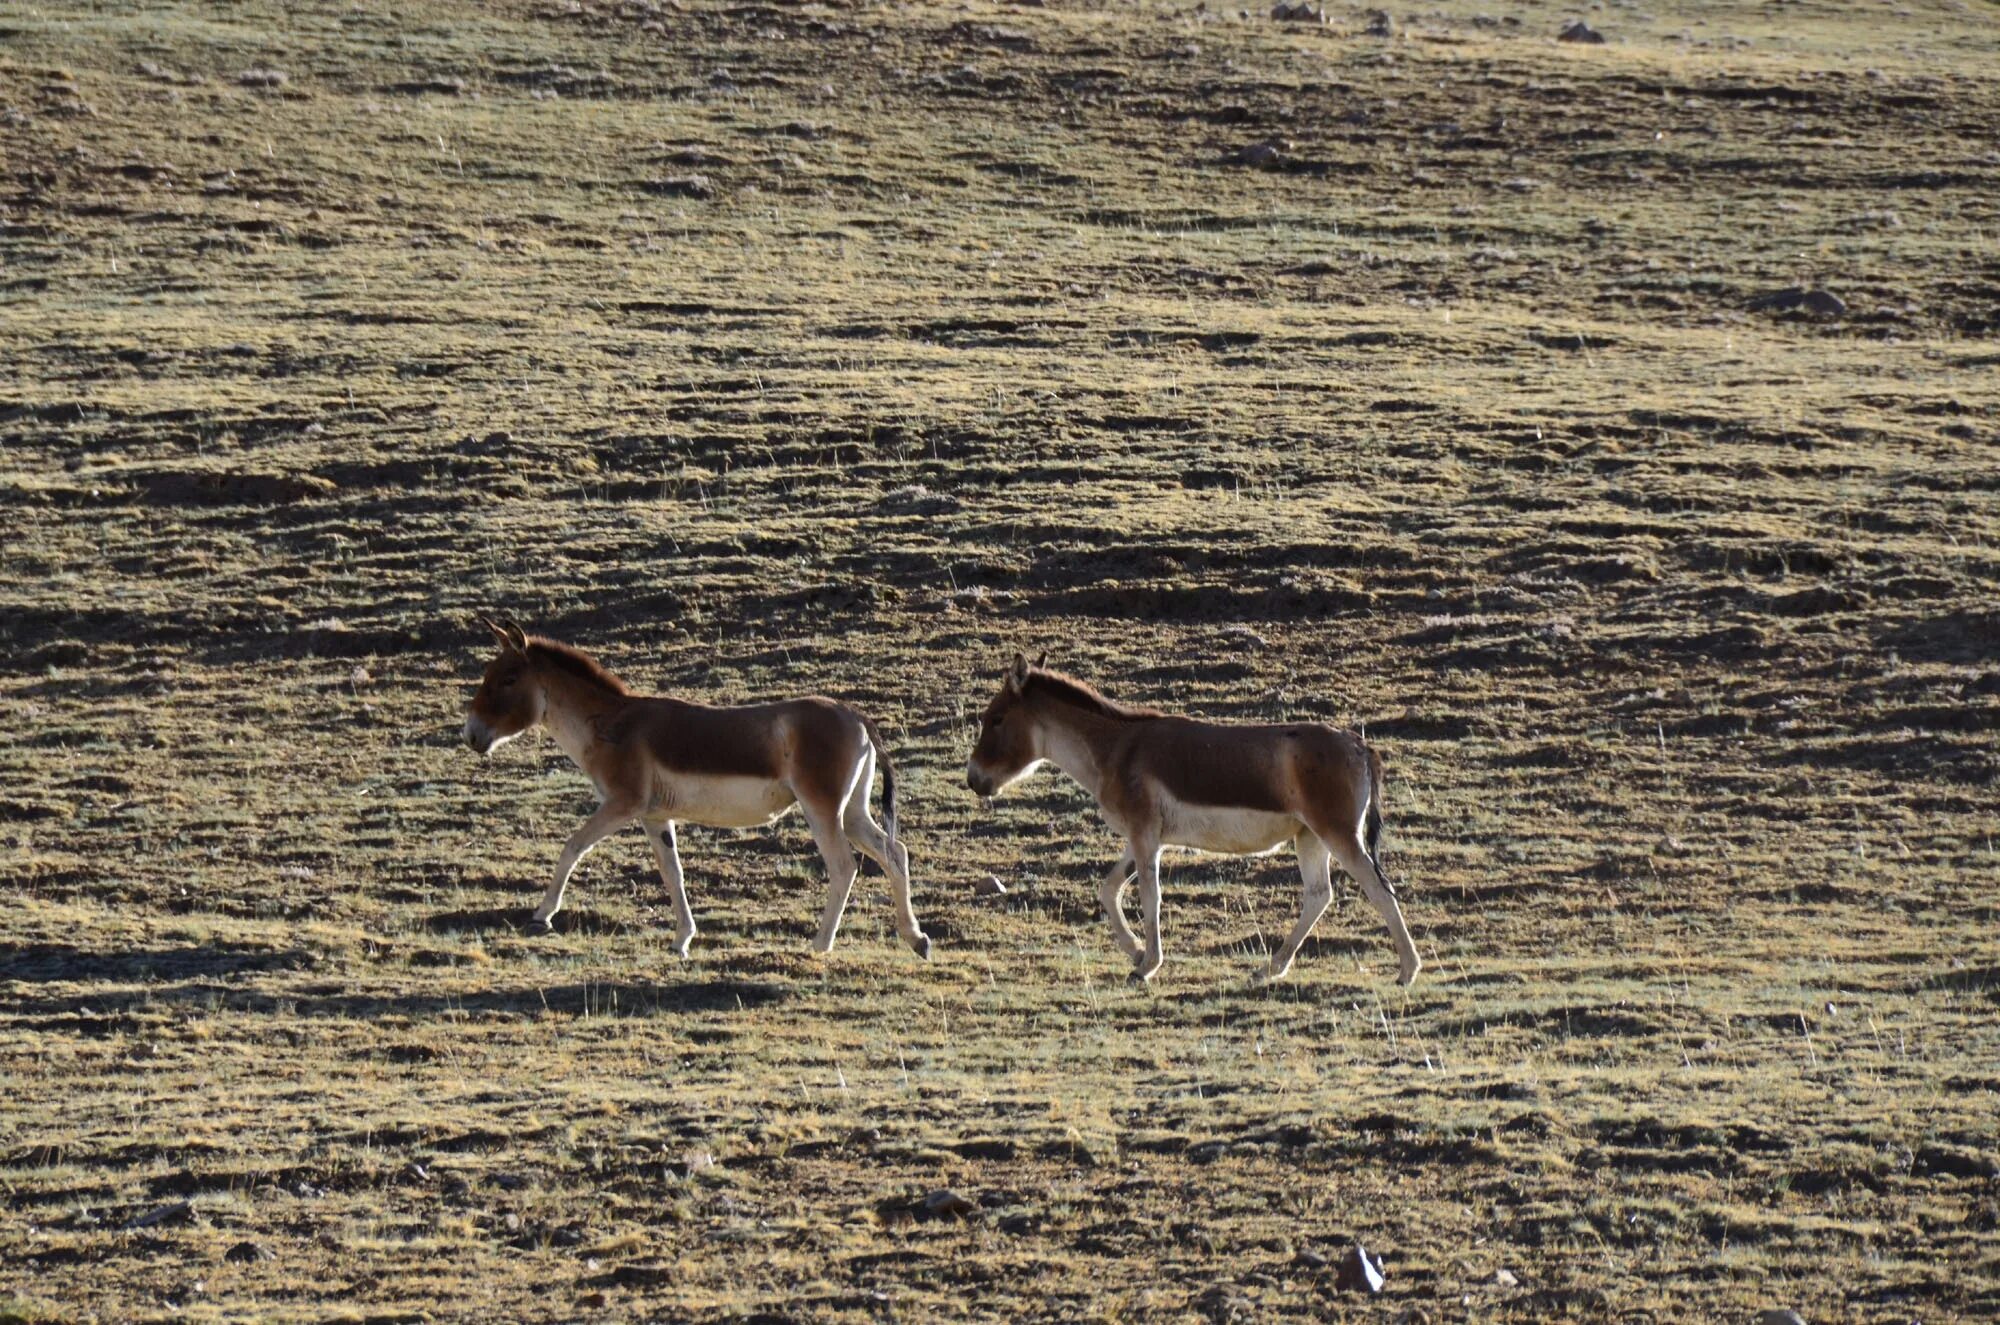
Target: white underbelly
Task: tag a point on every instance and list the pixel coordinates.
(1225, 829)
(721, 802)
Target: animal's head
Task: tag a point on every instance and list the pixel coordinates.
(508, 701)
(1007, 749)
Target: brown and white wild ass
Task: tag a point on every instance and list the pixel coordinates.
(1168, 781)
(661, 761)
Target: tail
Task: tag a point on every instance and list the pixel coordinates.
(888, 777)
(1372, 821)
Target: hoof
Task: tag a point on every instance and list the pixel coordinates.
(538, 928)
(1141, 979)
(921, 945)
(681, 947)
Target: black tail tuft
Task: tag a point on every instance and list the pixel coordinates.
(1373, 822)
(888, 778)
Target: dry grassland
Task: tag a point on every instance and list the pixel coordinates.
(846, 347)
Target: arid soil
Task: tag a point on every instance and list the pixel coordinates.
(1611, 431)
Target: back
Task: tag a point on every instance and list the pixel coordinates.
(1244, 766)
(740, 741)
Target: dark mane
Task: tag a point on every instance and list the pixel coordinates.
(576, 662)
(1079, 694)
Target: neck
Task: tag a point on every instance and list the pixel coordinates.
(570, 706)
(1077, 742)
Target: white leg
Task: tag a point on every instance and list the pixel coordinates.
(840, 871)
(608, 820)
(1148, 856)
(1361, 865)
(1316, 870)
(1111, 896)
(666, 850)
(867, 835)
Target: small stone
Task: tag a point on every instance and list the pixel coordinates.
(1793, 296)
(1505, 1278)
(944, 1203)
(265, 78)
(179, 1212)
(1308, 1259)
(1778, 301)
(1379, 24)
(1359, 1272)
(681, 186)
(1780, 1316)
(248, 1253)
(1220, 1302)
(990, 886)
(1578, 30)
(1260, 155)
(1247, 635)
(641, 1274)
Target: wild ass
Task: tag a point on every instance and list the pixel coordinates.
(664, 761)
(1167, 781)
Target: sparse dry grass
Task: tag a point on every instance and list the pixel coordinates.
(1675, 621)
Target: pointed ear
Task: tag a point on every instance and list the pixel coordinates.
(1017, 673)
(506, 632)
(1042, 661)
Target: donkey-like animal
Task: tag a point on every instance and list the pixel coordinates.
(662, 761)
(1167, 781)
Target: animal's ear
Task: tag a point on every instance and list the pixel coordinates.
(1017, 673)
(507, 633)
(1042, 661)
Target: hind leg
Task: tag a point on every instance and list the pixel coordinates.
(868, 837)
(1111, 896)
(667, 852)
(841, 867)
(1147, 963)
(1316, 869)
(1354, 858)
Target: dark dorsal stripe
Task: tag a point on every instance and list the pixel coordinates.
(1069, 690)
(575, 662)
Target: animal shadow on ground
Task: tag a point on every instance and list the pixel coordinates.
(62, 963)
(623, 999)
(514, 919)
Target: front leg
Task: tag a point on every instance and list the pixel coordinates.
(1148, 960)
(608, 820)
(667, 851)
(1111, 895)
